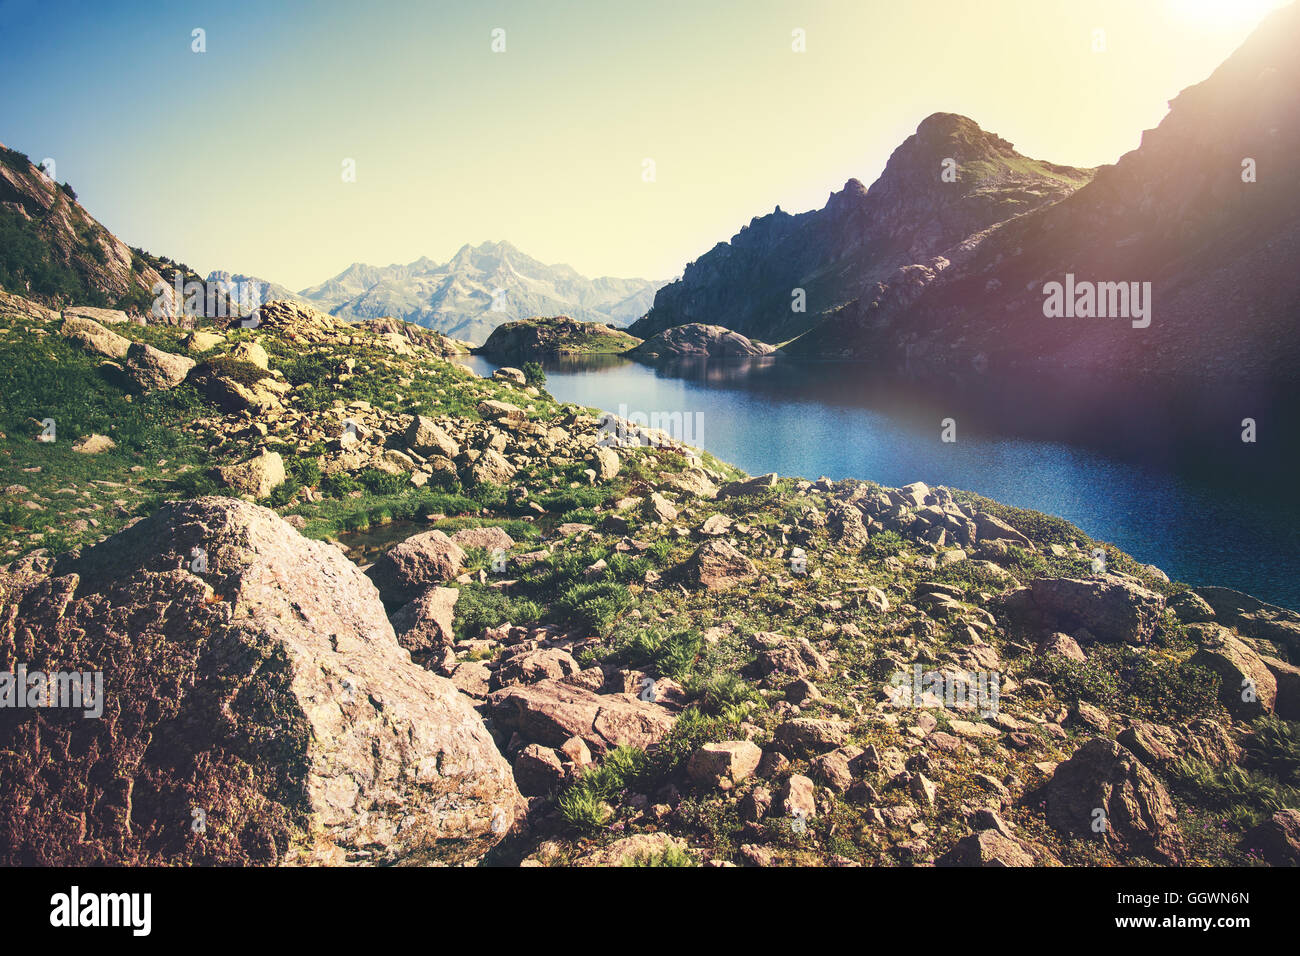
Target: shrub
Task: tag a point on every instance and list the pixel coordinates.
(534, 374)
(593, 606)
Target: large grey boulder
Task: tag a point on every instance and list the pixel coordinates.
(1112, 608)
(256, 709)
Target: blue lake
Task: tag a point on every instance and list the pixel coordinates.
(815, 419)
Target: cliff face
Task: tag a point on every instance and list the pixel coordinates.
(1205, 210)
(862, 235)
(56, 253)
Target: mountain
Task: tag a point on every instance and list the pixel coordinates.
(480, 288)
(54, 252)
(1179, 212)
(251, 291)
(862, 235)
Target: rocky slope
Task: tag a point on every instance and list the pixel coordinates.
(556, 335)
(862, 235)
(56, 253)
(480, 288)
(1178, 213)
(672, 663)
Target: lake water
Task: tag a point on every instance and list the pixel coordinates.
(1203, 519)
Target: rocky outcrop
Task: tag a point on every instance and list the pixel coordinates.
(551, 712)
(1247, 686)
(1104, 793)
(256, 708)
(1277, 839)
(93, 337)
(560, 335)
(1110, 607)
(152, 368)
(695, 340)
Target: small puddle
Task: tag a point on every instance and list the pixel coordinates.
(363, 547)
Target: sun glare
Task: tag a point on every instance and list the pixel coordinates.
(1223, 11)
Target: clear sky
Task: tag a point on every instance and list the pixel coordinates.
(232, 159)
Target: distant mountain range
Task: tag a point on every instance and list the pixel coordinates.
(480, 288)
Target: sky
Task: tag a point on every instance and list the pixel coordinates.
(233, 158)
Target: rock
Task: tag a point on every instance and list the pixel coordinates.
(658, 510)
(488, 539)
(200, 340)
(755, 804)
(252, 353)
(604, 462)
(790, 656)
(495, 411)
(538, 770)
(987, 848)
(238, 386)
(406, 569)
(488, 468)
(835, 769)
(1064, 645)
(93, 337)
(1191, 608)
(257, 477)
(424, 625)
(533, 666)
(94, 444)
(1248, 687)
(472, 678)
(844, 522)
(425, 437)
(630, 850)
(1137, 813)
(723, 765)
(111, 316)
(989, 527)
(1287, 677)
(796, 798)
(749, 486)
(268, 692)
(717, 566)
(697, 339)
(805, 735)
(923, 789)
(1277, 839)
(550, 712)
(512, 375)
(152, 368)
(716, 525)
(1151, 744)
(1112, 608)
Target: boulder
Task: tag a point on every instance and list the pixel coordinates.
(749, 486)
(109, 316)
(551, 712)
(987, 848)
(1112, 608)
(717, 566)
(152, 368)
(512, 375)
(533, 666)
(1064, 645)
(1277, 839)
(725, 764)
(1104, 786)
(94, 444)
(93, 337)
(796, 798)
(1248, 688)
(405, 570)
(488, 468)
(488, 539)
(1287, 677)
(252, 353)
(257, 477)
(201, 341)
(538, 770)
(604, 462)
(806, 735)
(424, 625)
(495, 411)
(266, 696)
(425, 437)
